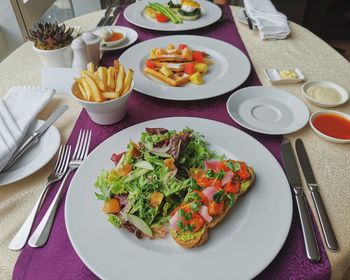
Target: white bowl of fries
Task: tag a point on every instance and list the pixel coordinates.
(104, 93)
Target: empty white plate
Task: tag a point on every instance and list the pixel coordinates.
(36, 157)
(267, 110)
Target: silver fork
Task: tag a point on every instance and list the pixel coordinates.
(42, 232)
(57, 173)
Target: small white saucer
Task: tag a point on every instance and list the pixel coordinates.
(35, 158)
(267, 110)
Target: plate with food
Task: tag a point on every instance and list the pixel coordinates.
(175, 193)
(172, 15)
(115, 37)
(186, 67)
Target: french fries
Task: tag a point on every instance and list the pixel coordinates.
(104, 83)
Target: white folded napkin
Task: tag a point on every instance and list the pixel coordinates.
(18, 109)
(271, 23)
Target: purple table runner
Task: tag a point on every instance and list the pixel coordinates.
(58, 260)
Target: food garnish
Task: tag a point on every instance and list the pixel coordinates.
(177, 66)
(171, 179)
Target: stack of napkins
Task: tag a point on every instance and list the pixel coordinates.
(271, 23)
(17, 111)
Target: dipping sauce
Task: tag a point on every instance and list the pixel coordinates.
(333, 125)
(323, 94)
(115, 36)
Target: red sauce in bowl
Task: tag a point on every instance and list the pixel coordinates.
(116, 36)
(333, 125)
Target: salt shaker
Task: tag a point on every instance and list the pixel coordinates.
(81, 57)
(93, 46)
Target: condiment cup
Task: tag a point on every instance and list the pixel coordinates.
(322, 135)
(107, 112)
(343, 93)
(114, 43)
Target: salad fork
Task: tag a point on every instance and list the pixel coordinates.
(42, 232)
(57, 173)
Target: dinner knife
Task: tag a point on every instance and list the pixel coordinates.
(290, 164)
(326, 226)
(110, 20)
(104, 18)
(250, 24)
(34, 139)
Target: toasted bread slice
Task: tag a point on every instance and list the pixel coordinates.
(192, 243)
(216, 220)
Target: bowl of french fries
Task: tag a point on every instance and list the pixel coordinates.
(104, 92)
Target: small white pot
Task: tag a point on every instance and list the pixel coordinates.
(107, 112)
(56, 58)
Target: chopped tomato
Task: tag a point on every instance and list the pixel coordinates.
(223, 166)
(161, 18)
(198, 56)
(208, 182)
(196, 222)
(182, 46)
(203, 198)
(189, 68)
(232, 187)
(150, 64)
(169, 162)
(124, 170)
(215, 209)
(243, 171)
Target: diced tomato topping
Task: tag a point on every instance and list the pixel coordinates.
(189, 68)
(215, 209)
(232, 187)
(161, 18)
(208, 182)
(196, 221)
(150, 64)
(204, 199)
(223, 166)
(182, 46)
(198, 56)
(243, 173)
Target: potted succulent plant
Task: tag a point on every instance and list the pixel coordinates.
(52, 44)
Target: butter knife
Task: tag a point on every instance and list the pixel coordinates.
(326, 226)
(34, 139)
(290, 164)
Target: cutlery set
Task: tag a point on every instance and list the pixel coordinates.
(65, 164)
(292, 171)
(109, 16)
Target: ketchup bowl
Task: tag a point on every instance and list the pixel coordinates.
(331, 125)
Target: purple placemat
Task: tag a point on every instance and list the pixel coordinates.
(58, 260)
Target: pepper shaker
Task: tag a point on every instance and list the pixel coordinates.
(93, 46)
(81, 57)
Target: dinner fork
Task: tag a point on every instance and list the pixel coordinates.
(57, 173)
(42, 232)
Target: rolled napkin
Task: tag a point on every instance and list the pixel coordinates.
(18, 109)
(271, 23)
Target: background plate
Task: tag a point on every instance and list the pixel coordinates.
(239, 248)
(134, 13)
(229, 70)
(36, 157)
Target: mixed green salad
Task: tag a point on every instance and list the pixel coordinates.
(151, 179)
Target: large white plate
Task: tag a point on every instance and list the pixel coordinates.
(230, 68)
(267, 110)
(36, 157)
(239, 248)
(134, 13)
(130, 34)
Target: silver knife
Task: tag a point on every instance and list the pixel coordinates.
(104, 18)
(326, 226)
(293, 176)
(110, 20)
(34, 139)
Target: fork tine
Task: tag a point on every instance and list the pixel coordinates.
(86, 152)
(66, 159)
(86, 145)
(59, 167)
(82, 146)
(78, 143)
(58, 160)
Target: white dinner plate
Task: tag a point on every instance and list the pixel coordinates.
(229, 70)
(134, 13)
(35, 158)
(267, 110)
(239, 248)
(130, 34)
